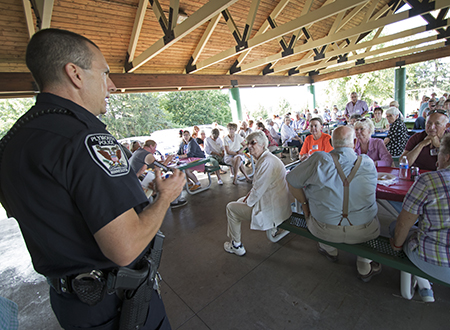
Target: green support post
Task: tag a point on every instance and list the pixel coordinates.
(235, 103)
(400, 88)
(312, 91)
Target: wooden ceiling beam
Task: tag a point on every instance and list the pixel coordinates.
(29, 17)
(342, 52)
(273, 15)
(22, 84)
(376, 52)
(137, 27)
(43, 10)
(173, 13)
(160, 16)
(205, 38)
(250, 19)
(201, 16)
(343, 35)
(387, 64)
(315, 16)
(386, 58)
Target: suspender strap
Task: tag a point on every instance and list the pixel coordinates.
(346, 182)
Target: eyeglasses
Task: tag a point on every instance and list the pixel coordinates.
(362, 120)
(442, 112)
(253, 142)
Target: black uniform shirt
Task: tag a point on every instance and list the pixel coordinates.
(64, 178)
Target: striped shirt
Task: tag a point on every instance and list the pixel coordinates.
(429, 197)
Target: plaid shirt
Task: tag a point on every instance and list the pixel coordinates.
(429, 197)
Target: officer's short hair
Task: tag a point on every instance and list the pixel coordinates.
(49, 50)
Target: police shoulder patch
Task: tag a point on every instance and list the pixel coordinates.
(107, 153)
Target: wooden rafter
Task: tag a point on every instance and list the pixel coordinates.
(29, 17)
(138, 21)
(273, 15)
(201, 16)
(173, 13)
(390, 63)
(435, 46)
(284, 29)
(160, 16)
(343, 35)
(205, 37)
(43, 10)
(342, 53)
(377, 52)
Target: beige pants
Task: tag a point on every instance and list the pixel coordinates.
(236, 213)
(345, 234)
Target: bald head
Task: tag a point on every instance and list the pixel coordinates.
(343, 136)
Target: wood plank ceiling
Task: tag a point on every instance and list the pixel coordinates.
(155, 45)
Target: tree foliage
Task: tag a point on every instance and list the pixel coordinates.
(283, 107)
(197, 107)
(135, 115)
(434, 74)
(374, 86)
(11, 110)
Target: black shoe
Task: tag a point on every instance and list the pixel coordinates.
(174, 205)
(326, 254)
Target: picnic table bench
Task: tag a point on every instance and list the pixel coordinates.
(378, 249)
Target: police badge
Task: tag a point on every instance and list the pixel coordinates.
(107, 153)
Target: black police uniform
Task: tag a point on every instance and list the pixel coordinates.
(63, 178)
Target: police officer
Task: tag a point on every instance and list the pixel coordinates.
(68, 183)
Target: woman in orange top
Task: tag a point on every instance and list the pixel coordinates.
(317, 141)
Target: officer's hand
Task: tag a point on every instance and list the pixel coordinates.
(171, 187)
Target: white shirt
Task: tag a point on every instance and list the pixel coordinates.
(287, 133)
(213, 146)
(233, 145)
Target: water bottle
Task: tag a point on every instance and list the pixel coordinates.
(403, 164)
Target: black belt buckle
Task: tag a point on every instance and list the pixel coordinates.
(90, 287)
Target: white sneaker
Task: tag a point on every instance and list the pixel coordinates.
(220, 182)
(230, 248)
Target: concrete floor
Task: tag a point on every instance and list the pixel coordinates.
(284, 285)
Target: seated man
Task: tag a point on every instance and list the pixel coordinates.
(317, 184)
(422, 148)
(143, 158)
(425, 108)
(214, 149)
(268, 203)
(428, 244)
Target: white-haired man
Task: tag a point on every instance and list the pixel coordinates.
(422, 148)
(333, 212)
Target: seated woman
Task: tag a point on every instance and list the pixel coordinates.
(353, 119)
(190, 148)
(317, 141)
(267, 204)
(272, 144)
(427, 245)
(307, 121)
(288, 135)
(214, 149)
(372, 147)
(234, 152)
(379, 122)
(273, 131)
(398, 133)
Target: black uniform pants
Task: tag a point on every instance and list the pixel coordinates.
(73, 314)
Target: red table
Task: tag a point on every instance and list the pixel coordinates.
(397, 191)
